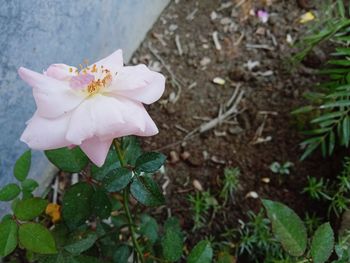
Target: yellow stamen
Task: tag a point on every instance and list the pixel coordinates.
(96, 85)
(94, 68)
(54, 211)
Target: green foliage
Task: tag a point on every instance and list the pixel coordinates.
(76, 204)
(68, 160)
(30, 208)
(122, 253)
(145, 190)
(201, 204)
(316, 189)
(149, 162)
(256, 238)
(117, 179)
(111, 163)
(287, 226)
(282, 169)
(9, 192)
(36, 238)
(342, 248)
(22, 166)
(100, 204)
(149, 228)
(312, 222)
(322, 243)
(230, 184)
(93, 226)
(8, 237)
(294, 240)
(331, 24)
(132, 149)
(29, 185)
(172, 241)
(201, 253)
(332, 125)
(80, 242)
(336, 194)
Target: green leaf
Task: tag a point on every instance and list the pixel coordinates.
(310, 148)
(303, 109)
(36, 238)
(112, 162)
(346, 131)
(76, 204)
(172, 241)
(9, 192)
(150, 162)
(30, 208)
(146, 191)
(339, 103)
(117, 179)
(287, 227)
(81, 242)
(8, 237)
(122, 254)
(322, 243)
(63, 257)
(201, 253)
(225, 257)
(340, 62)
(85, 259)
(149, 228)
(29, 185)
(100, 204)
(22, 166)
(131, 148)
(331, 143)
(68, 160)
(327, 116)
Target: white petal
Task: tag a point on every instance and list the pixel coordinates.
(138, 83)
(97, 116)
(53, 97)
(96, 150)
(46, 134)
(113, 62)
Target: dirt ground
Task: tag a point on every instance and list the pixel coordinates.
(250, 56)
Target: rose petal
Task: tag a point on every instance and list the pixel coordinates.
(113, 62)
(97, 116)
(96, 150)
(61, 72)
(137, 120)
(45, 134)
(53, 97)
(138, 83)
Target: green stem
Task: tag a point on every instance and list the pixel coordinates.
(120, 154)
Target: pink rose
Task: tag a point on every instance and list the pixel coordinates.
(91, 106)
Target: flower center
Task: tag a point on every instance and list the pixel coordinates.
(91, 80)
(96, 85)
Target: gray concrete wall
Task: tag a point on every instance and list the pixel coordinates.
(37, 33)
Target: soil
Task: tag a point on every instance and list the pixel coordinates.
(263, 130)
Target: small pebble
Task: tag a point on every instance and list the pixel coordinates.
(252, 194)
(265, 180)
(173, 27)
(197, 185)
(213, 15)
(174, 157)
(219, 81)
(205, 61)
(185, 155)
(225, 21)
